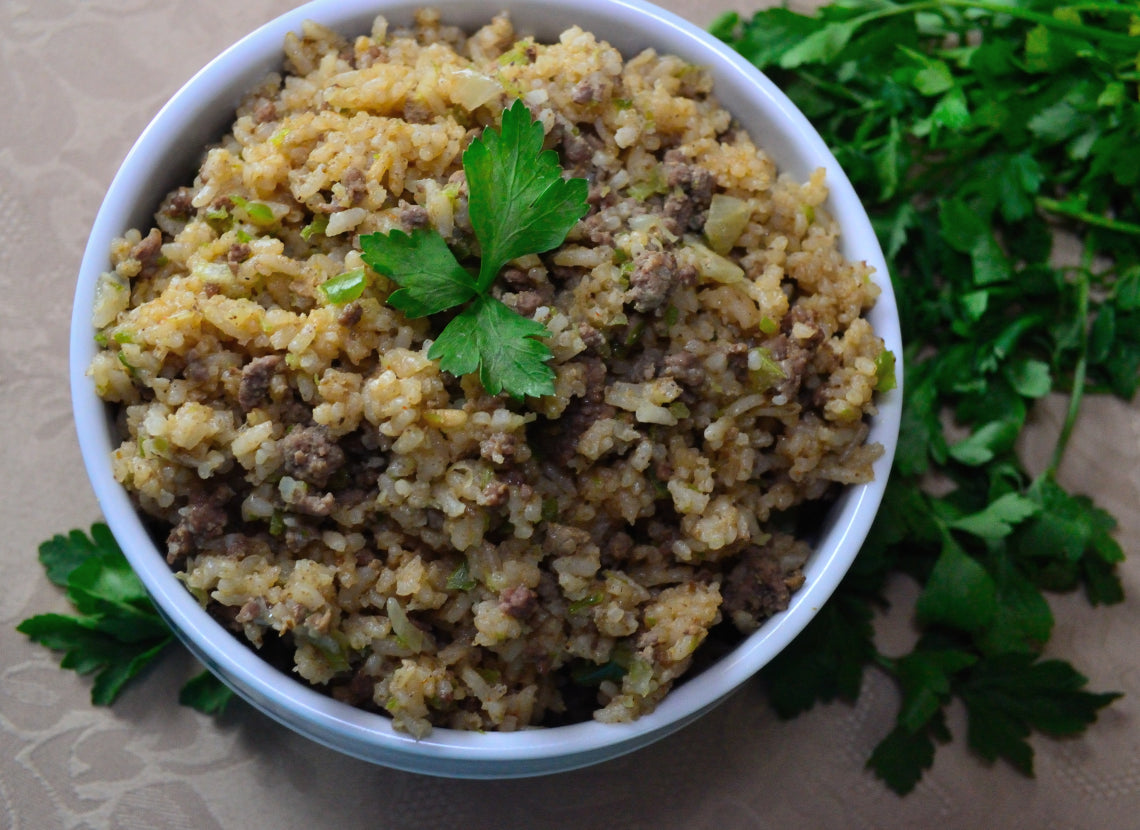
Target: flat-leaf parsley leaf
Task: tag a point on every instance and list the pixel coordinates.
(117, 632)
(519, 204)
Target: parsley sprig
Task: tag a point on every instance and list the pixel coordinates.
(976, 133)
(519, 204)
(116, 632)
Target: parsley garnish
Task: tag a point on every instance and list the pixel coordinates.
(974, 131)
(519, 204)
(117, 632)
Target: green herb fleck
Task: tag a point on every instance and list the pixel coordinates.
(460, 579)
(578, 606)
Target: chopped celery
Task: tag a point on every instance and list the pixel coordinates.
(405, 630)
(655, 184)
(712, 266)
(727, 219)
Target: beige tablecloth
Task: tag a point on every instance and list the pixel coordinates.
(78, 81)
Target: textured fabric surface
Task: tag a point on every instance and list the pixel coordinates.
(80, 79)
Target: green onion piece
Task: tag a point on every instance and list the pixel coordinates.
(258, 212)
(460, 579)
(581, 605)
(885, 371)
(126, 363)
(318, 225)
(346, 287)
(768, 325)
(671, 315)
(549, 509)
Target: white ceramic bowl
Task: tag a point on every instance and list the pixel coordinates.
(165, 156)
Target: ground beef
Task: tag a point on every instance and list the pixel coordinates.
(499, 447)
(350, 315)
(202, 518)
(311, 454)
(652, 280)
(495, 494)
(594, 227)
(517, 279)
(758, 586)
(413, 216)
(519, 602)
(253, 389)
(685, 368)
(578, 148)
(687, 206)
(148, 252)
(528, 302)
(794, 355)
(179, 204)
(264, 111)
(696, 181)
(237, 254)
(355, 185)
(302, 501)
(586, 92)
(593, 338)
(558, 440)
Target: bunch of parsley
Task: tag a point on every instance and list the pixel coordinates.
(977, 134)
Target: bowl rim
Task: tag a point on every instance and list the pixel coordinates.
(368, 735)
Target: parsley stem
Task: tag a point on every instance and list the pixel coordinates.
(1079, 371)
(888, 664)
(1087, 216)
(1092, 33)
